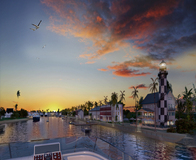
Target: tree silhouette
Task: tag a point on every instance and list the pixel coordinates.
(16, 106)
(187, 97)
(135, 96)
(153, 89)
(122, 96)
(105, 99)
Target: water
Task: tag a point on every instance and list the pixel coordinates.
(138, 146)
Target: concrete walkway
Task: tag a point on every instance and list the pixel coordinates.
(160, 134)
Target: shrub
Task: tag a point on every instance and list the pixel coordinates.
(171, 129)
(185, 126)
(15, 114)
(23, 113)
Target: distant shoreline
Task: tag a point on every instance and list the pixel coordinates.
(15, 120)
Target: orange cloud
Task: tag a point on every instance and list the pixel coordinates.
(85, 55)
(90, 62)
(108, 25)
(139, 62)
(102, 69)
(129, 73)
(99, 19)
(142, 86)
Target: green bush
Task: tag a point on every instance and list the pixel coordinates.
(185, 126)
(23, 113)
(15, 114)
(171, 129)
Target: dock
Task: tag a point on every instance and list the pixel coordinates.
(84, 124)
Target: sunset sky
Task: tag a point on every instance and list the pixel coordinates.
(87, 49)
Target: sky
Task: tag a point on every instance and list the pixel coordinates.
(84, 50)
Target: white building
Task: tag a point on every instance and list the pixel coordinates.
(162, 102)
(79, 114)
(9, 112)
(95, 113)
(111, 113)
(148, 109)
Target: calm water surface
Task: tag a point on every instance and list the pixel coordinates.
(138, 146)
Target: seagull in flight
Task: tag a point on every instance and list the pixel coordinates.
(44, 46)
(36, 26)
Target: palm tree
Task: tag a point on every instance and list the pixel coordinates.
(153, 89)
(105, 99)
(114, 99)
(96, 104)
(122, 96)
(139, 103)
(135, 96)
(187, 97)
(16, 106)
(89, 105)
(100, 103)
(180, 106)
(169, 86)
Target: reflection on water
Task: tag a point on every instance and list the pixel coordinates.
(138, 146)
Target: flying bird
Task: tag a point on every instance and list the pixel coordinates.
(18, 93)
(36, 26)
(44, 46)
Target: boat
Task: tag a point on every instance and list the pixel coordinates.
(86, 129)
(72, 148)
(41, 114)
(46, 114)
(36, 117)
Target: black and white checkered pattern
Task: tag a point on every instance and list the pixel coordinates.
(163, 98)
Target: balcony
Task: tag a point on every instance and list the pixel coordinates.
(105, 109)
(105, 113)
(170, 108)
(144, 116)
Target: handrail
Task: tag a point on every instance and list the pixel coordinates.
(94, 145)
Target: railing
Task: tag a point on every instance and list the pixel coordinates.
(94, 144)
(105, 113)
(143, 116)
(105, 109)
(67, 145)
(171, 109)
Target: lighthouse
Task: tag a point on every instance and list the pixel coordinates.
(162, 107)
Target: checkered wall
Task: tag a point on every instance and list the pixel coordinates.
(162, 107)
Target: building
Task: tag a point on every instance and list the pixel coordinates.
(79, 114)
(109, 113)
(159, 106)
(9, 112)
(148, 108)
(95, 113)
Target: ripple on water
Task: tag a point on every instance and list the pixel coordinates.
(138, 146)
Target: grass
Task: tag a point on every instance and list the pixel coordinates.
(4, 119)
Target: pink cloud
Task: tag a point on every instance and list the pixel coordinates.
(142, 86)
(90, 62)
(102, 69)
(108, 29)
(129, 73)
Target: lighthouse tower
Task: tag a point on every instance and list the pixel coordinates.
(162, 94)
